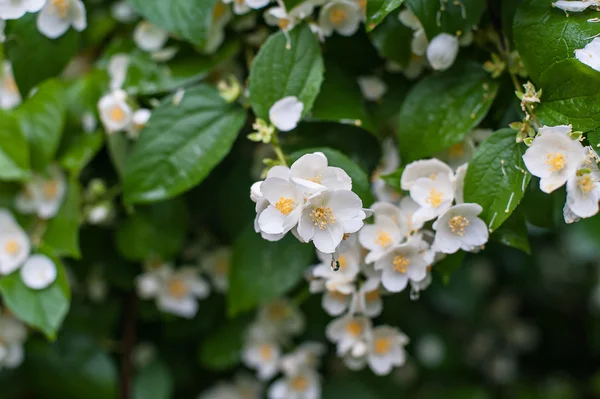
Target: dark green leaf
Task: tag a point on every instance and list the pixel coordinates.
(153, 381)
(62, 233)
(262, 270)
(513, 232)
(181, 144)
(377, 10)
(42, 118)
(79, 150)
(442, 109)
(34, 57)
(42, 309)
(153, 230)
(392, 39)
(447, 16)
(449, 265)
(14, 150)
(189, 19)
(279, 72)
(118, 146)
(497, 178)
(222, 349)
(360, 181)
(594, 139)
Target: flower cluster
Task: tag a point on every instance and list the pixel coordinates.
(557, 157)
(311, 199)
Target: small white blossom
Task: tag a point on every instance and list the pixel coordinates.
(58, 15)
(243, 386)
(386, 349)
(262, 356)
(9, 92)
(409, 19)
(368, 301)
(38, 272)
(306, 355)
(576, 6)
(399, 265)
(303, 384)
(15, 9)
(442, 51)
(115, 112)
(117, 70)
(285, 206)
(583, 190)
(341, 280)
(459, 183)
(217, 264)
(429, 168)
(139, 119)
(433, 196)
(12, 335)
(348, 331)
(312, 172)
(341, 16)
(554, 157)
(419, 43)
(14, 243)
(149, 37)
(397, 214)
(389, 162)
(282, 316)
(372, 87)
(286, 21)
(286, 113)
(44, 194)
(460, 228)
(262, 203)
(379, 237)
(123, 12)
(590, 54)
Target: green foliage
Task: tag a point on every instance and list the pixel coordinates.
(14, 150)
(513, 232)
(377, 10)
(62, 232)
(222, 349)
(392, 39)
(79, 150)
(447, 16)
(153, 381)
(279, 72)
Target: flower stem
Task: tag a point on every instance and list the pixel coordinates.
(277, 149)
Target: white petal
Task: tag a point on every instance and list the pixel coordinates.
(286, 113)
(256, 4)
(424, 168)
(49, 22)
(149, 37)
(185, 307)
(442, 51)
(78, 15)
(271, 221)
(38, 272)
(393, 281)
(328, 239)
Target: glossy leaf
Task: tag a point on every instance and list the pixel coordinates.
(153, 381)
(14, 149)
(448, 16)
(79, 150)
(392, 39)
(222, 349)
(377, 10)
(62, 232)
(513, 232)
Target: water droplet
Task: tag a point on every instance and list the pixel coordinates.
(335, 264)
(414, 294)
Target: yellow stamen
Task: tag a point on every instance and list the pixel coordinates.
(316, 179)
(62, 7)
(354, 328)
(117, 114)
(285, 205)
(283, 24)
(338, 296)
(322, 216)
(50, 189)
(382, 345)
(12, 247)
(456, 151)
(556, 161)
(401, 263)
(277, 311)
(586, 183)
(372, 296)
(266, 352)
(435, 198)
(177, 288)
(458, 224)
(345, 236)
(299, 383)
(383, 238)
(337, 15)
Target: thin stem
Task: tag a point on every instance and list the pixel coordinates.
(277, 149)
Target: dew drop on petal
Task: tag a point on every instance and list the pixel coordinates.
(414, 294)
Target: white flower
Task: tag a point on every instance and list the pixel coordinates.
(306, 355)
(43, 194)
(15, 9)
(149, 37)
(38, 272)
(554, 157)
(139, 120)
(408, 207)
(390, 161)
(282, 316)
(348, 331)
(459, 153)
(419, 43)
(575, 6)
(590, 54)
(123, 12)
(262, 203)
(379, 237)
(459, 228)
(115, 112)
(409, 19)
(9, 92)
(301, 385)
(58, 15)
(216, 34)
(256, 4)
(217, 264)
(277, 16)
(176, 291)
(399, 265)
(117, 70)
(285, 205)
(583, 191)
(429, 168)
(342, 279)
(12, 335)
(329, 215)
(14, 243)
(286, 113)
(442, 51)
(433, 196)
(341, 16)
(312, 172)
(368, 299)
(386, 349)
(262, 356)
(397, 214)
(372, 87)
(2, 26)
(459, 183)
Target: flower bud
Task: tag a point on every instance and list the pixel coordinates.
(442, 51)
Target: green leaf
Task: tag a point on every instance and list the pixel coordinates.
(377, 10)
(393, 179)
(190, 19)
(79, 150)
(447, 16)
(14, 150)
(540, 209)
(497, 178)
(42, 309)
(62, 233)
(279, 72)
(222, 349)
(392, 39)
(181, 144)
(340, 100)
(118, 146)
(262, 270)
(442, 109)
(594, 139)
(544, 35)
(34, 57)
(153, 381)
(42, 118)
(447, 266)
(572, 99)
(154, 230)
(360, 181)
(513, 232)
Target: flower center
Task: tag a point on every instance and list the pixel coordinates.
(338, 296)
(12, 247)
(50, 189)
(363, 5)
(343, 261)
(372, 296)
(345, 236)
(458, 224)
(382, 345)
(177, 288)
(219, 10)
(435, 198)
(283, 23)
(285, 205)
(61, 7)
(316, 179)
(456, 151)
(277, 311)
(383, 238)
(222, 267)
(299, 383)
(556, 161)
(322, 216)
(586, 183)
(354, 328)
(266, 352)
(337, 15)
(10, 85)
(401, 263)
(117, 114)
